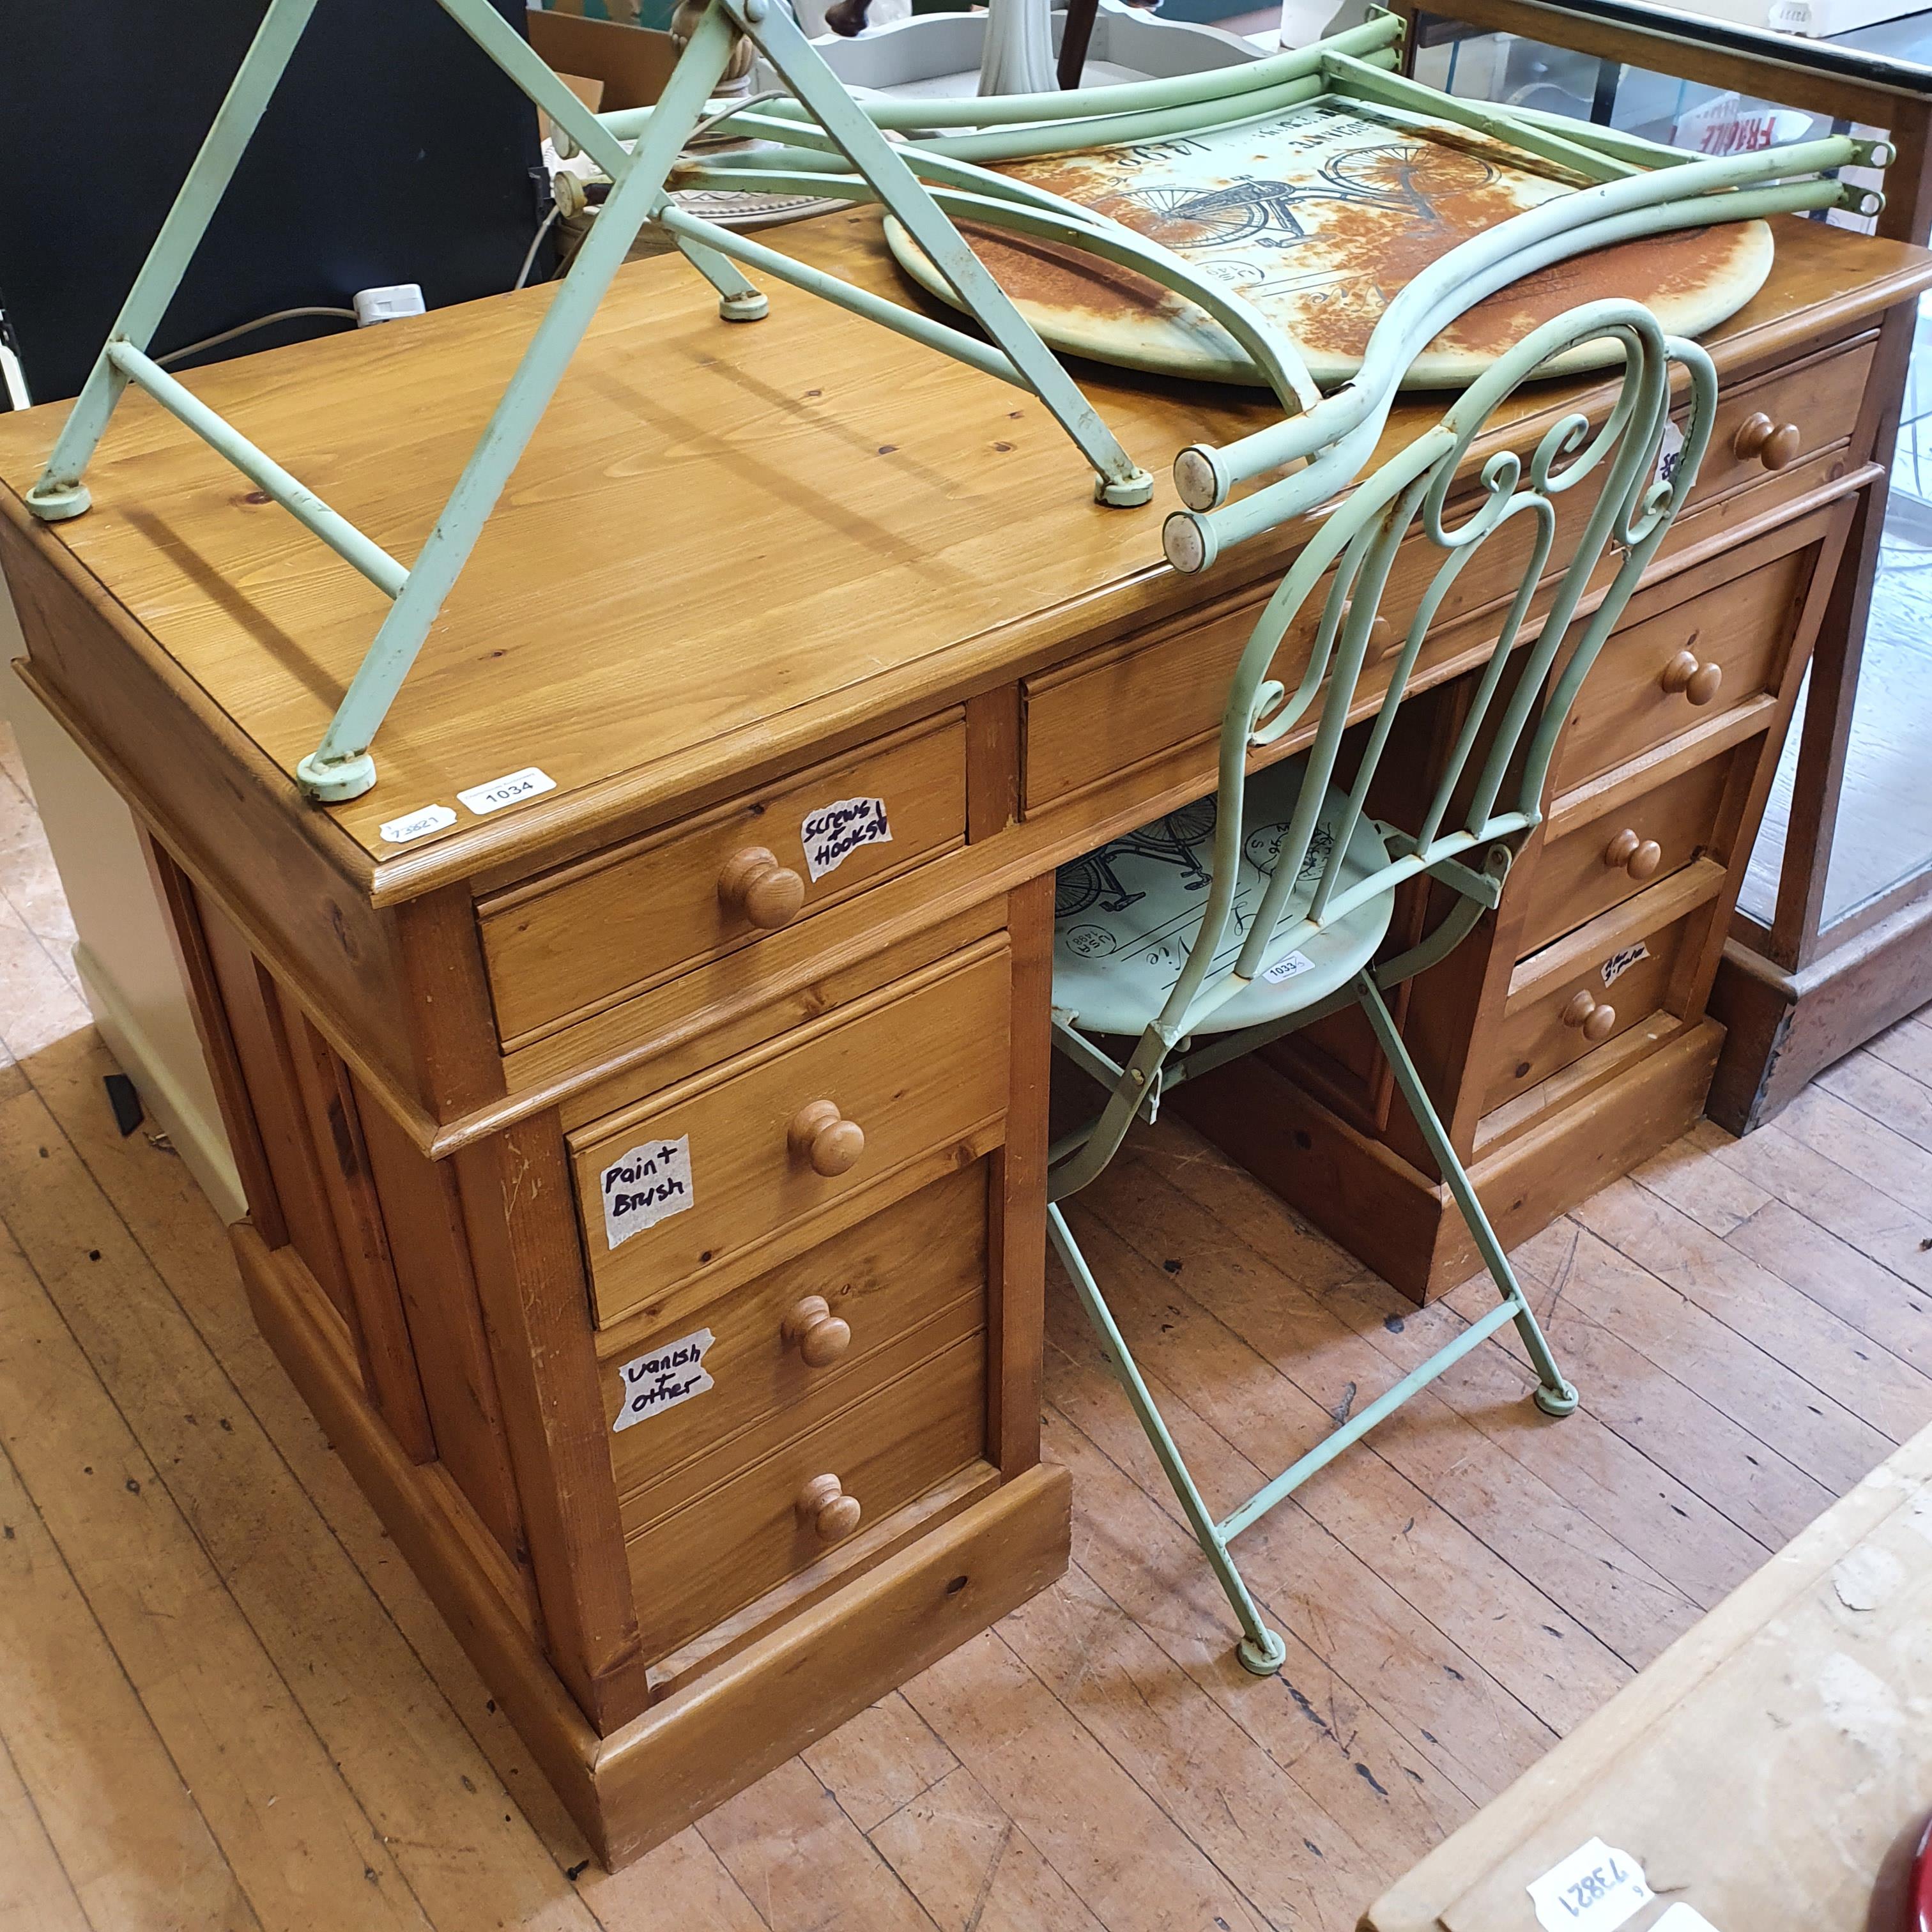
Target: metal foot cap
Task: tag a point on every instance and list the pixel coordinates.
(55, 502)
(1196, 481)
(340, 780)
(1129, 494)
(1263, 1659)
(1185, 542)
(744, 308)
(1559, 1401)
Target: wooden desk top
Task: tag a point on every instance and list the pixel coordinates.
(725, 545)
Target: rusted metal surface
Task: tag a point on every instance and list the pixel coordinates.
(1319, 216)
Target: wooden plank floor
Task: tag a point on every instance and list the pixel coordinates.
(225, 1704)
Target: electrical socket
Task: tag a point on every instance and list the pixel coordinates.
(374, 305)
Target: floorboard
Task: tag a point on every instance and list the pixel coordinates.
(105, 1830)
(36, 1894)
(225, 1703)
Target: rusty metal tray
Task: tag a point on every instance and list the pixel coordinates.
(1318, 215)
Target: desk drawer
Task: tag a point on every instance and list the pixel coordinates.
(710, 1173)
(1131, 704)
(1596, 984)
(1114, 709)
(612, 926)
(1771, 426)
(1103, 714)
(799, 1344)
(1691, 661)
(1613, 854)
(713, 1547)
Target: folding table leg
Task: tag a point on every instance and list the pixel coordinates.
(1119, 479)
(341, 767)
(60, 492)
(739, 299)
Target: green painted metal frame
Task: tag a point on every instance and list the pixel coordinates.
(342, 765)
(826, 143)
(1636, 190)
(1353, 552)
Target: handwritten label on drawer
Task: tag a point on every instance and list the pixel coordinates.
(1619, 964)
(1668, 452)
(1595, 1889)
(832, 833)
(512, 789)
(664, 1377)
(643, 1186)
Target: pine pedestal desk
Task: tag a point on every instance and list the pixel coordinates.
(692, 1486)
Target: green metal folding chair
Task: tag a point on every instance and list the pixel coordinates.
(1234, 921)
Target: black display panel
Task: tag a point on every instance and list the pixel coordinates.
(394, 151)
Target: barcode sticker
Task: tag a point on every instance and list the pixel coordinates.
(644, 1186)
(1595, 1889)
(664, 1377)
(417, 825)
(1287, 967)
(512, 789)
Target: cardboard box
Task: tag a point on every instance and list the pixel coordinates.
(633, 60)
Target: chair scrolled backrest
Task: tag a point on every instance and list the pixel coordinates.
(1354, 551)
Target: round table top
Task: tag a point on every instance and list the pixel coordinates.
(1317, 216)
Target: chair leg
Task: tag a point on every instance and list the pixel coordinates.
(1261, 1650)
(1553, 1393)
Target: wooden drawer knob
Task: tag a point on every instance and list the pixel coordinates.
(754, 885)
(1640, 857)
(824, 1507)
(1774, 444)
(818, 1335)
(1698, 682)
(1383, 636)
(820, 1134)
(1596, 1018)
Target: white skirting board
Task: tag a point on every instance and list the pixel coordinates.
(124, 955)
(168, 1092)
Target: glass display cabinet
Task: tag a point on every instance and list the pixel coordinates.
(1832, 940)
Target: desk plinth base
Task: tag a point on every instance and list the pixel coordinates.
(718, 1732)
(1787, 1027)
(1400, 1221)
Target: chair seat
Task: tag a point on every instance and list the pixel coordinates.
(1125, 915)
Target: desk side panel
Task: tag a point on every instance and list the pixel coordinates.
(234, 822)
(338, 1196)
